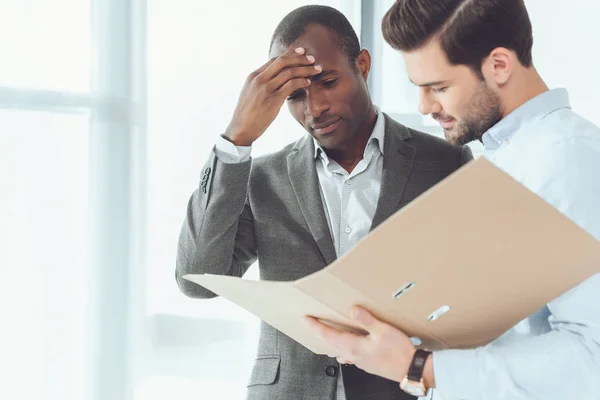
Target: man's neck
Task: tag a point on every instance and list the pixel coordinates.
(524, 87)
(349, 156)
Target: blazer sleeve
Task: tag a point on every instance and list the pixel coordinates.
(217, 236)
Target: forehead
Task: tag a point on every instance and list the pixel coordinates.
(319, 42)
(429, 64)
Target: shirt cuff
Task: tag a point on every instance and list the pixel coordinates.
(229, 153)
(456, 374)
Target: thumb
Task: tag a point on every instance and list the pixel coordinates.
(364, 317)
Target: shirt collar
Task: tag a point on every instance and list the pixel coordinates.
(530, 112)
(377, 137)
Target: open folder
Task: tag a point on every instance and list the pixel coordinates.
(456, 268)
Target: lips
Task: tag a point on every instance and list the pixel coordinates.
(325, 124)
(446, 123)
(326, 127)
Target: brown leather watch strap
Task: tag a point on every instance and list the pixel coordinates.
(415, 371)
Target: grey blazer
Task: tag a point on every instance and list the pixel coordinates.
(270, 209)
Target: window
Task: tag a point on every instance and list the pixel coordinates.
(46, 44)
(66, 175)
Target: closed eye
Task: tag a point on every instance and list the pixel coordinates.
(440, 90)
(329, 83)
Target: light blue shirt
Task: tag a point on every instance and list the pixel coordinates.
(554, 353)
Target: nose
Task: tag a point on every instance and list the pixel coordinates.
(315, 103)
(428, 105)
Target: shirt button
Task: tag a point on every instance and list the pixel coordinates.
(505, 143)
(348, 229)
(348, 182)
(331, 371)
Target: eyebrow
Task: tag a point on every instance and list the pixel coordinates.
(323, 74)
(318, 77)
(437, 83)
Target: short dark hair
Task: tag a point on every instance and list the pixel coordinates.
(296, 22)
(468, 29)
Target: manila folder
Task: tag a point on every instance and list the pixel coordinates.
(456, 268)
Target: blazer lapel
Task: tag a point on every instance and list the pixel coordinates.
(398, 159)
(305, 183)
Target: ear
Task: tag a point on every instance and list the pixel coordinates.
(363, 63)
(499, 65)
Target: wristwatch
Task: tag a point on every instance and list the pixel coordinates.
(413, 382)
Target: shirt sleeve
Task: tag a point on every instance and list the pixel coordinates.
(229, 153)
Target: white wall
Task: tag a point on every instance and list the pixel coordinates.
(566, 49)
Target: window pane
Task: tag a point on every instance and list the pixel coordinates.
(46, 44)
(43, 213)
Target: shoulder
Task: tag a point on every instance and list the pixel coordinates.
(564, 169)
(565, 143)
(276, 162)
(565, 124)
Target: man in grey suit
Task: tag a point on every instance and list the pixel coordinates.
(297, 210)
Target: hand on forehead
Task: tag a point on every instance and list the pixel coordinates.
(317, 41)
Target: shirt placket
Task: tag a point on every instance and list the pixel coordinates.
(345, 227)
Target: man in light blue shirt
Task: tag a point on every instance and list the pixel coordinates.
(472, 61)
